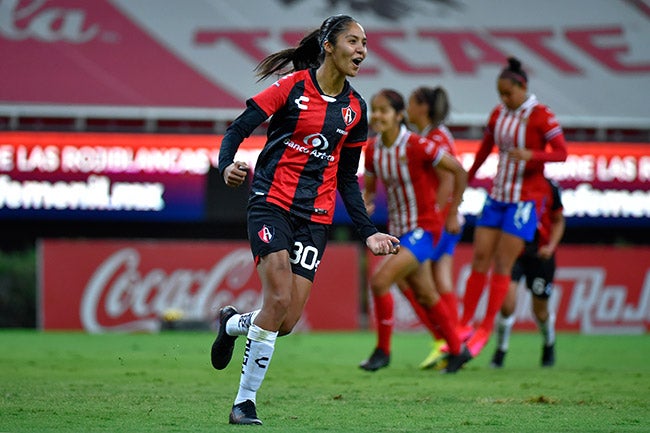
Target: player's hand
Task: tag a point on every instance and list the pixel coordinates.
(235, 174)
(382, 244)
(454, 223)
(545, 252)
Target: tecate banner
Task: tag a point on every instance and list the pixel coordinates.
(587, 59)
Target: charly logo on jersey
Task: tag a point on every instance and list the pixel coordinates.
(299, 102)
(266, 233)
(348, 115)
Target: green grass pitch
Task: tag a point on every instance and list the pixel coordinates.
(75, 382)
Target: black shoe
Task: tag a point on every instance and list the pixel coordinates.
(497, 358)
(221, 352)
(244, 413)
(377, 360)
(548, 356)
(455, 362)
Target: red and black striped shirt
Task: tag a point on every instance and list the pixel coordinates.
(297, 168)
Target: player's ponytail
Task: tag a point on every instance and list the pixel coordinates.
(308, 54)
(515, 72)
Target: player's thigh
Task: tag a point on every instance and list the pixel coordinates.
(484, 246)
(509, 247)
(391, 270)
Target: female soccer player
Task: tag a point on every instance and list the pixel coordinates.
(427, 110)
(404, 162)
(522, 129)
(313, 147)
(537, 265)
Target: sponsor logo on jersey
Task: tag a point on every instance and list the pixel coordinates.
(348, 115)
(314, 146)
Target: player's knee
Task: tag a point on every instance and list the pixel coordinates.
(379, 285)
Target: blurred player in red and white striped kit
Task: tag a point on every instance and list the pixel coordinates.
(405, 163)
(537, 265)
(527, 136)
(428, 108)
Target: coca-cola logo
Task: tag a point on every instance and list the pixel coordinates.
(20, 20)
(120, 296)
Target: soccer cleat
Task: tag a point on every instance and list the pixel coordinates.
(548, 356)
(378, 359)
(223, 345)
(455, 362)
(244, 413)
(497, 358)
(477, 342)
(434, 357)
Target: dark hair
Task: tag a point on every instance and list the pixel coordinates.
(437, 100)
(395, 99)
(514, 72)
(308, 54)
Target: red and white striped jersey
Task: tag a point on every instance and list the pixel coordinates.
(442, 135)
(531, 126)
(406, 168)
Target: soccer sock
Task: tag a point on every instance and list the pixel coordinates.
(421, 312)
(498, 290)
(473, 291)
(547, 329)
(238, 324)
(440, 316)
(504, 329)
(451, 301)
(257, 357)
(384, 314)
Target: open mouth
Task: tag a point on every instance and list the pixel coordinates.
(357, 61)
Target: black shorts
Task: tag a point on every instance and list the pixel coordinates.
(272, 229)
(539, 274)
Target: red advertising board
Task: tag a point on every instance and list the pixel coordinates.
(127, 285)
(598, 290)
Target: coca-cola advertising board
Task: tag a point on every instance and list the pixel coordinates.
(597, 290)
(129, 285)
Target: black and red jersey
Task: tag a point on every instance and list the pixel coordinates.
(297, 168)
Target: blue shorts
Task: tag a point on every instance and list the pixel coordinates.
(446, 245)
(518, 219)
(419, 242)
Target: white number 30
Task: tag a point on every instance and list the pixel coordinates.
(307, 256)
